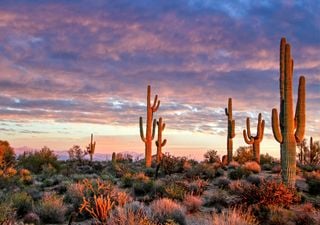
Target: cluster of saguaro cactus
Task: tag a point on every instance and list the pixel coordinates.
(288, 129)
(151, 125)
(231, 132)
(254, 140)
(160, 143)
(313, 155)
(91, 148)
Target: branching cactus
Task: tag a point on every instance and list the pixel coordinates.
(151, 126)
(288, 129)
(313, 154)
(231, 133)
(91, 148)
(254, 140)
(159, 142)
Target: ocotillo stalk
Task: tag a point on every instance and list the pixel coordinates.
(231, 133)
(92, 147)
(159, 142)
(151, 125)
(254, 140)
(290, 130)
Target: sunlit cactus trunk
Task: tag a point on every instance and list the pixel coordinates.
(151, 125)
(159, 142)
(91, 148)
(288, 129)
(231, 133)
(254, 140)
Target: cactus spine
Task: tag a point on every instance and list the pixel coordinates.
(151, 125)
(254, 140)
(291, 128)
(231, 133)
(159, 142)
(91, 147)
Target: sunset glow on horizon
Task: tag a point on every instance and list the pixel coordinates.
(72, 68)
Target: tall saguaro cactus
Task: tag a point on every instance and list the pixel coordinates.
(91, 147)
(159, 142)
(288, 129)
(151, 125)
(231, 133)
(254, 140)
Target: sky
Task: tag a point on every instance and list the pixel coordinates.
(72, 68)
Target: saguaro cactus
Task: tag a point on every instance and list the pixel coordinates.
(313, 154)
(151, 125)
(91, 147)
(291, 129)
(159, 142)
(231, 133)
(254, 140)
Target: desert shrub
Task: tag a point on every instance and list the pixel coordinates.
(166, 209)
(252, 166)
(313, 180)
(280, 216)
(218, 199)
(276, 168)
(197, 187)
(127, 180)
(243, 154)
(266, 166)
(266, 159)
(150, 172)
(31, 218)
(74, 194)
(25, 176)
(306, 214)
(237, 186)
(254, 179)
(141, 188)
(39, 160)
(129, 216)
(51, 209)
(22, 202)
(238, 173)
(269, 193)
(222, 182)
(171, 164)
(211, 156)
(219, 172)
(175, 190)
(233, 165)
(6, 212)
(192, 203)
(121, 198)
(234, 217)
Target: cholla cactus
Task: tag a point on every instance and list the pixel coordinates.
(231, 133)
(91, 148)
(159, 142)
(151, 126)
(288, 129)
(254, 140)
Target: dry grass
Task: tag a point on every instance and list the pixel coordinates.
(192, 203)
(234, 217)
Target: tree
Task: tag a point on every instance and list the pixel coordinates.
(76, 153)
(244, 154)
(211, 156)
(7, 155)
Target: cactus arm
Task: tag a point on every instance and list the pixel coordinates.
(300, 117)
(163, 126)
(275, 126)
(226, 111)
(154, 128)
(248, 128)
(164, 142)
(232, 129)
(157, 143)
(156, 104)
(249, 140)
(141, 130)
(261, 131)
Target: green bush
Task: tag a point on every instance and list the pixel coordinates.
(238, 173)
(175, 191)
(38, 161)
(22, 202)
(266, 159)
(51, 209)
(141, 188)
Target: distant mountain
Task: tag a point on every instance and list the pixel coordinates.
(63, 154)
